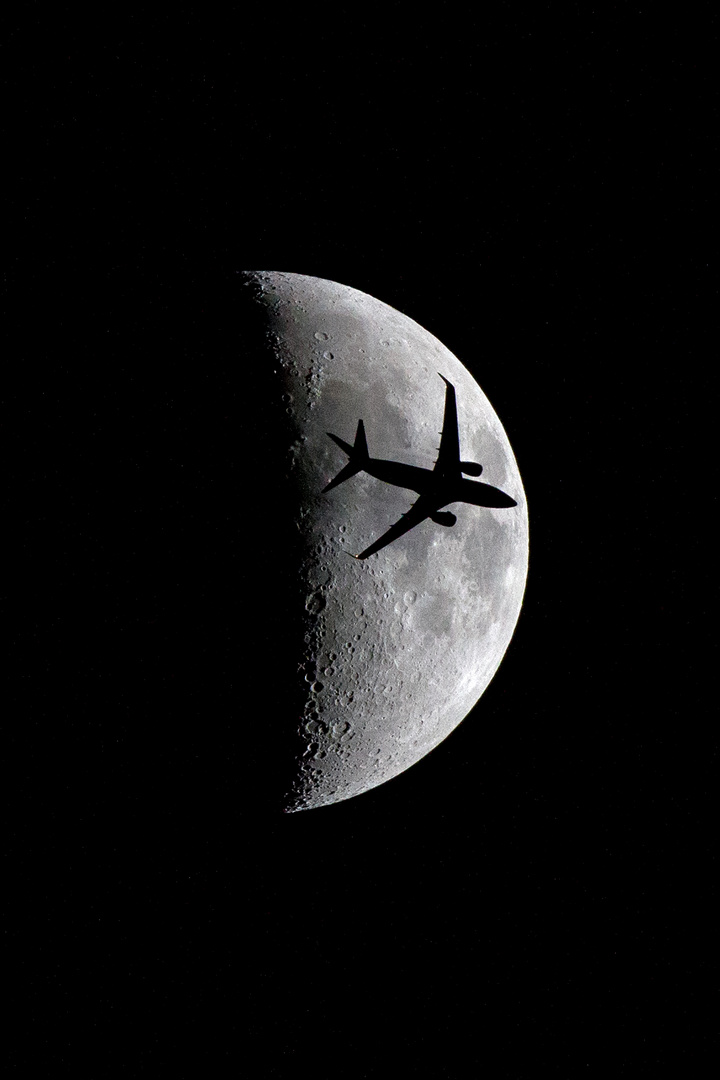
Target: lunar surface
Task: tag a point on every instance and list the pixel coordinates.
(392, 652)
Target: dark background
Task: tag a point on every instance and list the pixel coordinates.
(534, 896)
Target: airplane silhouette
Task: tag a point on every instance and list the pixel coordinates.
(437, 487)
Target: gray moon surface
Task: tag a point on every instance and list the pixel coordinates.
(396, 650)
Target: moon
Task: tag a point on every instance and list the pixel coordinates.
(393, 652)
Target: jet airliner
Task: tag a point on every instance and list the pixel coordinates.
(437, 487)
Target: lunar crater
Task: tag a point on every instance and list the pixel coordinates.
(397, 649)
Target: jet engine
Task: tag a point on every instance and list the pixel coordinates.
(444, 517)
(470, 468)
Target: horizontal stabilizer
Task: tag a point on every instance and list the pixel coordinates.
(341, 443)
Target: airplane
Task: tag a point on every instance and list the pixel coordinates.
(436, 487)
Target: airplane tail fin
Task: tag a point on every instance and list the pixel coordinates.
(358, 455)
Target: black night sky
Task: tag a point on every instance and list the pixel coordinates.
(533, 897)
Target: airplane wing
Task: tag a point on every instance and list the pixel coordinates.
(448, 459)
(421, 509)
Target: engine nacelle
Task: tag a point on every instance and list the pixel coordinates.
(443, 517)
(470, 468)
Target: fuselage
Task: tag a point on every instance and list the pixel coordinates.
(447, 487)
